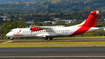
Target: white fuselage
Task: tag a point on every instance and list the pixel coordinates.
(53, 32)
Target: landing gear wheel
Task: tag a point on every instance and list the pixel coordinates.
(12, 38)
(51, 38)
(45, 38)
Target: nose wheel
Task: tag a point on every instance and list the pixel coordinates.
(12, 38)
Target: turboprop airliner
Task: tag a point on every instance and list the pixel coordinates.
(49, 32)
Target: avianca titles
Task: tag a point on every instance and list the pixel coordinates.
(49, 32)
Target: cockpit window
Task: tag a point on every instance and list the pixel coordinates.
(11, 30)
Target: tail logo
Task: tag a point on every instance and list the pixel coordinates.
(87, 24)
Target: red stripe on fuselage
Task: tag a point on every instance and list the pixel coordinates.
(81, 31)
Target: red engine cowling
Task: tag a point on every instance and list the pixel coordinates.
(35, 29)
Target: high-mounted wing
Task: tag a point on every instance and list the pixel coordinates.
(47, 28)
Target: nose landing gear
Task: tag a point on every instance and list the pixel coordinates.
(12, 38)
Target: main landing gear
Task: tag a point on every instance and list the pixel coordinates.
(46, 38)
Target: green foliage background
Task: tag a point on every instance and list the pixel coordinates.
(65, 9)
(6, 27)
(46, 5)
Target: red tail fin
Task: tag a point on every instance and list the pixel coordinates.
(91, 20)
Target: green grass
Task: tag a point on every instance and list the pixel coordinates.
(54, 44)
(58, 44)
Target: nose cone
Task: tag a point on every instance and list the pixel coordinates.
(8, 35)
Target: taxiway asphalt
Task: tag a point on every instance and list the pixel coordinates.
(53, 52)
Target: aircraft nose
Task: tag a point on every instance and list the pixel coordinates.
(8, 35)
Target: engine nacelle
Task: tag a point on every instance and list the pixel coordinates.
(35, 29)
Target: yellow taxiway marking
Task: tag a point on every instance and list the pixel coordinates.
(8, 41)
(48, 56)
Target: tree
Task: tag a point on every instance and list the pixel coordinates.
(12, 16)
(12, 24)
(99, 33)
(1, 20)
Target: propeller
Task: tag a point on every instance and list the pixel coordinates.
(31, 28)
